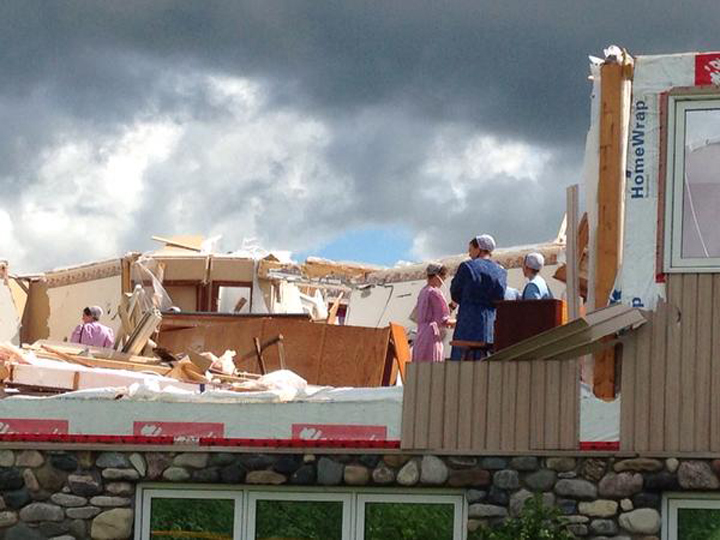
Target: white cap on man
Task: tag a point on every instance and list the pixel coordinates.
(534, 261)
(485, 242)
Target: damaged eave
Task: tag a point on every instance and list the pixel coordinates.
(511, 257)
(315, 268)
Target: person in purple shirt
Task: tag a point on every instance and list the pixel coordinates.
(433, 317)
(91, 332)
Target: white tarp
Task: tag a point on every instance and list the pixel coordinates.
(654, 75)
(329, 413)
(599, 419)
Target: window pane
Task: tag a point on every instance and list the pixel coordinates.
(698, 524)
(298, 520)
(409, 521)
(234, 299)
(701, 191)
(199, 519)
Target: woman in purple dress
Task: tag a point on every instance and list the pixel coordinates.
(433, 317)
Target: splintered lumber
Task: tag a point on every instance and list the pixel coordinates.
(240, 304)
(111, 364)
(332, 314)
(147, 326)
(185, 370)
(87, 352)
(66, 357)
(203, 363)
(258, 352)
(281, 351)
(322, 354)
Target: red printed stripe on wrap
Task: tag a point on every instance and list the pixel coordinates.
(179, 430)
(707, 69)
(338, 432)
(35, 426)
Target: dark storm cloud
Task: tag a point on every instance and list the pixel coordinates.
(510, 66)
(383, 79)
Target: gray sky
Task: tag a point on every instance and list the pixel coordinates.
(299, 121)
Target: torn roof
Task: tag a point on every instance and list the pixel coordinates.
(279, 264)
(510, 257)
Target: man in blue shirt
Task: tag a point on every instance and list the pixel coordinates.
(477, 285)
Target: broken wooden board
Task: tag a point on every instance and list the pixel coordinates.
(320, 353)
(147, 326)
(67, 377)
(183, 320)
(401, 348)
(92, 352)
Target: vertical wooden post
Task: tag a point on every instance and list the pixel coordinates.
(611, 185)
(126, 263)
(572, 255)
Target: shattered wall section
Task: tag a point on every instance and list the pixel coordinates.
(55, 301)
(9, 320)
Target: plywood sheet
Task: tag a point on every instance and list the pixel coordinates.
(353, 356)
(67, 302)
(322, 354)
(232, 269)
(303, 345)
(183, 296)
(184, 268)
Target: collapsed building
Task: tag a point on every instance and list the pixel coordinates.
(250, 396)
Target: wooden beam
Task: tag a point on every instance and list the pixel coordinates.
(611, 184)
(573, 256)
(332, 314)
(258, 352)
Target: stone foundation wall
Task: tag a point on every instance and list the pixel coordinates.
(82, 494)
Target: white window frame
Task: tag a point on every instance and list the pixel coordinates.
(459, 509)
(345, 498)
(245, 497)
(678, 105)
(145, 497)
(672, 502)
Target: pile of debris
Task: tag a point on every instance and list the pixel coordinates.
(46, 368)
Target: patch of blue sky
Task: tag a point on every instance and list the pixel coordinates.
(373, 245)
